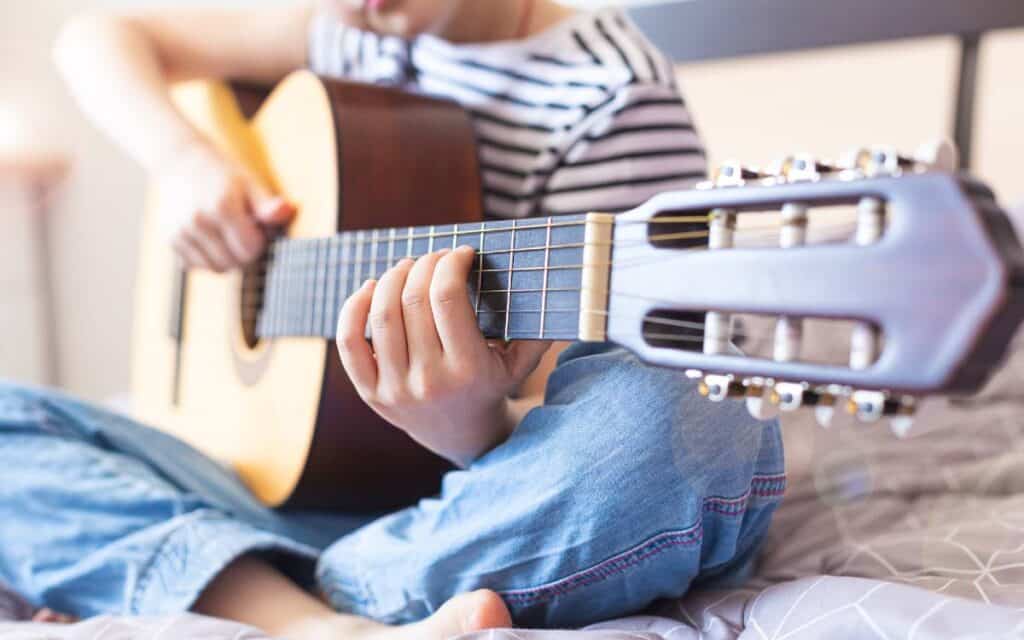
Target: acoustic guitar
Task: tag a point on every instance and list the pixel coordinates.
(242, 365)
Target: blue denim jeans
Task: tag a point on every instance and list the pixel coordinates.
(624, 488)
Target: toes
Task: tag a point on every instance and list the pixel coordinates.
(483, 610)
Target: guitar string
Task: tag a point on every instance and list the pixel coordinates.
(620, 263)
(767, 333)
(663, 321)
(652, 319)
(295, 244)
(747, 233)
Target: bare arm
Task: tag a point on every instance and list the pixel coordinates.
(119, 66)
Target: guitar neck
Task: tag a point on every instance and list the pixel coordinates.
(526, 283)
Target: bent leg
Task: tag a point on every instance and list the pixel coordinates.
(99, 515)
(625, 487)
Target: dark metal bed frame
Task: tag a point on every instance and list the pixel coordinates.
(693, 30)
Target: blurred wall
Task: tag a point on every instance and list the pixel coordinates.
(95, 217)
(753, 109)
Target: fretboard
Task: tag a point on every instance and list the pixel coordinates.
(525, 284)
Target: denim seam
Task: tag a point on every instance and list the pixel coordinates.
(760, 486)
(219, 559)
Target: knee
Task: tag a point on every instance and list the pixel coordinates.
(610, 416)
(22, 410)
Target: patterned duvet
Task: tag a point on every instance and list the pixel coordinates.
(921, 538)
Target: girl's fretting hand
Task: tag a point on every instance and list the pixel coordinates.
(429, 370)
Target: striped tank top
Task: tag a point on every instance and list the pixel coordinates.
(586, 116)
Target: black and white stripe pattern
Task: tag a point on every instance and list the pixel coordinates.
(584, 117)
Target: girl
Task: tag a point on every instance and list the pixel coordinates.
(617, 488)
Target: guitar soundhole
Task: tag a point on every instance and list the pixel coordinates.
(253, 280)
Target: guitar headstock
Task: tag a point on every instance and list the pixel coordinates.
(914, 265)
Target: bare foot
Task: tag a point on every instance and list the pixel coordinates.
(477, 611)
(50, 616)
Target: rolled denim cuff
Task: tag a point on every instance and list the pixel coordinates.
(198, 546)
(338, 574)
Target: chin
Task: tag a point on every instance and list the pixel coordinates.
(396, 17)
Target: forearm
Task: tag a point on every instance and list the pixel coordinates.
(119, 66)
(119, 82)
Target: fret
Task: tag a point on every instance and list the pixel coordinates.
(332, 288)
(373, 257)
(310, 283)
(511, 269)
(544, 293)
(286, 291)
(408, 244)
(432, 238)
(316, 319)
(391, 249)
(325, 271)
(315, 295)
(308, 280)
(278, 313)
(480, 272)
(346, 278)
(297, 286)
(455, 237)
(359, 262)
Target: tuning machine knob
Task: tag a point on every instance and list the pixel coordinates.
(876, 161)
(941, 155)
(756, 392)
(801, 167)
(758, 399)
(791, 396)
(872, 406)
(731, 174)
(719, 388)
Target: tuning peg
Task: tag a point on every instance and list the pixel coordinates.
(734, 174)
(827, 411)
(941, 155)
(876, 161)
(801, 167)
(718, 388)
(867, 406)
(759, 399)
(902, 422)
(790, 396)
(872, 406)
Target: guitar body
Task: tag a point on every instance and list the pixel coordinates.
(282, 413)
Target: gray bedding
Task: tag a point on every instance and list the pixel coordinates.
(920, 538)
